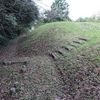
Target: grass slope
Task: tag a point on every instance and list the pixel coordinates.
(52, 36)
(74, 76)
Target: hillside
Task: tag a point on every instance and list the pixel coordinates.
(62, 62)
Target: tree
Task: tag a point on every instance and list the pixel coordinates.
(61, 9)
(15, 15)
(51, 16)
(80, 19)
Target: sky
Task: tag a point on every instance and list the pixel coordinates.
(77, 8)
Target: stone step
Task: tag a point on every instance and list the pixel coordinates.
(60, 52)
(78, 42)
(83, 39)
(72, 45)
(53, 56)
(66, 48)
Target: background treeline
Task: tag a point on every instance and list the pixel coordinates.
(94, 18)
(15, 17)
(59, 12)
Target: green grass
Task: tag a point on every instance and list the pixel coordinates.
(78, 71)
(79, 68)
(54, 35)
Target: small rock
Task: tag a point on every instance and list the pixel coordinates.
(2, 91)
(12, 91)
(16, 84)
(23, 70)
(24, 66)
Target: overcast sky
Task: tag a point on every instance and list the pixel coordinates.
(77, 8)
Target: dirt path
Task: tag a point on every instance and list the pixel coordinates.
(41, 79)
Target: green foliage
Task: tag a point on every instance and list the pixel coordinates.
(3, 41)
(80, 19)
(98, 17)
(15, 15)
(11, 18)
(55, 35)
(39, 23)
(52, 16)
(59, 12)
(79, 70)
(93, 18)
(61, 8)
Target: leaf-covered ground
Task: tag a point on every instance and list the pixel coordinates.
(73, 76)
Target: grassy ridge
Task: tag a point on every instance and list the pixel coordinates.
(74, 76)
(54, 35)
(79, 68)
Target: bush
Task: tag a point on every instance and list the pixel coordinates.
(15, 15)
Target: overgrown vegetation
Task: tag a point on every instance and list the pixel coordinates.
(59, 12)
(30, 60)
(15, 15)
(79, 68)
(74, 75)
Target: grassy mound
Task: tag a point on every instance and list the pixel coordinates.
(52, 36)
(80, 67)
(73, 76)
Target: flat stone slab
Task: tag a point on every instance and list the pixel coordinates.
(78, 42)
(60, 52)
(66, 48)
(83, 39)
(73, 45)
(53, 56)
